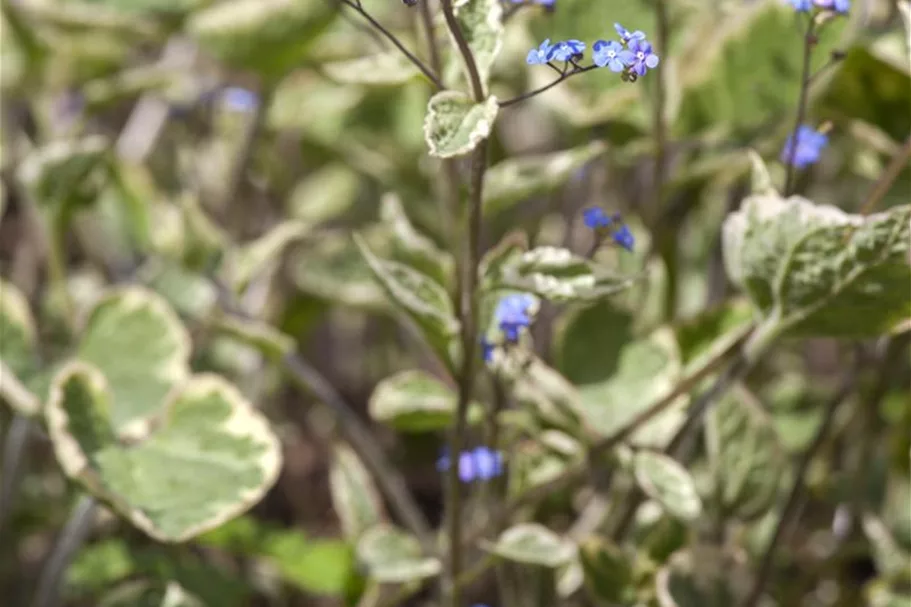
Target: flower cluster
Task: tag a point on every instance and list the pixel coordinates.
(632, 56)
(513, 315)
(840, 7)
(549, 4)
(480, 464)
(603, 224)
(809, 145)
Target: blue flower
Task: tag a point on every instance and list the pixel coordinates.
(238, 99)
(643, 57)
(623, 237)
(595, 218)
(513, 313)
(810, 144)
(626, 35)
(540, 55)
(480, 464)
(566, 50)
(547, 3)
(487, 349)
(801, 6)
(611, 54)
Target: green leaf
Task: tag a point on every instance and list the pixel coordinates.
(270, 36)
(668, 483)
(558, 275)
(325, 194)
(703, 337)
(891, 559)
(481, 23)
(415, 401)
(251, 259)
(608, 571)
(412, 247)
(391, 556)
(748, 461)
(355, 497)
(517, 179)
(257, 334)
(388, 68)
(331, 267)
(321, 567)
(817, 271)
(148, 7)
(134, 338)
(210, 458)
(644, 372)
(190, 294)
(18, 351)
(590, 341)
(702, 576)
(422, 299)
(455, 124)
(65, 170)
(867, 88)
(533, 544)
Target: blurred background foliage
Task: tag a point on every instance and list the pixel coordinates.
(173, 142)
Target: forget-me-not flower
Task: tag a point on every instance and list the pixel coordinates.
(839, 6)
(644, 58)
(239, 99)
(513, 313)
(801, 6)
(541, 55)
(623, 237)
(546, 3)
(487, 349)
(611, 54)
(810, 144)
(595, 218)
(566, 50)
(626, 35)
(480, 463)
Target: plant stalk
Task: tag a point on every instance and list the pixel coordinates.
(809, 41)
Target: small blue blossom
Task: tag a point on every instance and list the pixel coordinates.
(623, 237)
(810, 144)
(626, 35)
(541, 55)
(513, 313)
(801, 6)
(566, 50)
(487, 349)
(595, 218)
(644, 58)
(480, 464)
(547, 3)
(238, 99)
(611, 54)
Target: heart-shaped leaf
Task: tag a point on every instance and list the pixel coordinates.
(415, 401)
(387, 68)
(746, 456)
(533, 544)
(668, 483)
(210, 457)
(421, 298)
(18, 352)
(354, 495)
(517, 179)
(136, 340)
(391, 556)
(816, 270)
(558, 275)
(455, 124)
(270, 36)
(481, 24)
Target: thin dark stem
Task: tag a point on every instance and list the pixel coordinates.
(468, 273)
(71, 538)
(547, 87)
(659, 122)
(474, 76)
(808, 43)
(397, 43)
(432, 46)
(794, 498)
(13, 449)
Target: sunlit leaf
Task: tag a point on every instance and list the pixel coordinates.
(533, 544)
(415, 401)
(455, 124)
(480, 22)
(391, 556)
(668, 483)
(354, 495)
(389, 68)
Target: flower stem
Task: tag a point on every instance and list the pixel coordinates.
(809, 41)
(466, 295)
(547, 87)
